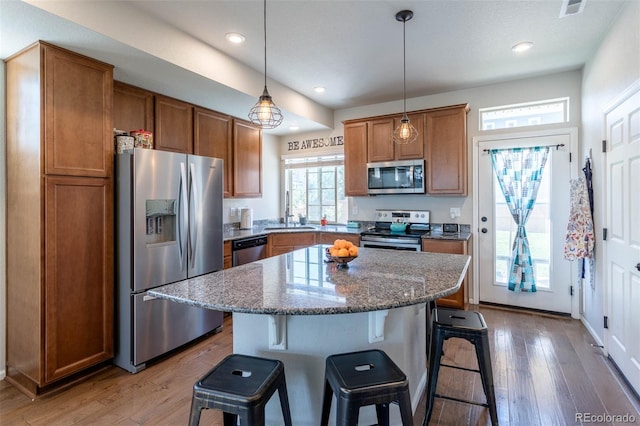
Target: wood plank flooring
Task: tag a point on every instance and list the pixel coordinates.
(545, 371)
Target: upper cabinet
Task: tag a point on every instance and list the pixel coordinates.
(190, 129)
(442, 143)
(247, 160)
(212, 137)
(77, 102)
(355, 159)
(132, 108)
(446, 148)
(174, 125)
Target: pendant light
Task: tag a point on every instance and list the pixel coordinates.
(265, 114)
(405, 133)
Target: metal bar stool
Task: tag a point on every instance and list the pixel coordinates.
(240, 386)
(364, 378)
(468, 325)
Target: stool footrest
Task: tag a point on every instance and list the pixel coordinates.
(460, 368)
(466, 401)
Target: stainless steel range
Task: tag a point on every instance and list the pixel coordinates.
(397, 230)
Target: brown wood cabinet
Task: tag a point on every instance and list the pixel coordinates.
(442, 142)
(355, 159)
(330, 237)
(212, 137)
(247, 160)
(133, 108)
(456, 300)
(77, 101)
(414, 150)
(59, 216)
(173, 125)
(446, 154)
(228, 255)
(289, 241)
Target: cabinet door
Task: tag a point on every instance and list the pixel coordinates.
(79, 274)
(174, 125)
(228, 255)
(455, 300)
(331, 237)
(132, 108)
(212, 138)
(78, 101)
(247, 160)
(414, 150)
(446, 143)
(380, 140)
(355, 159)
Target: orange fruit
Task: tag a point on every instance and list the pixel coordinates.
(353, 250)
(333, 252)
(343, 252)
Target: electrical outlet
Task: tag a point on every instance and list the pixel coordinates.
(233, 211)
(454, 212)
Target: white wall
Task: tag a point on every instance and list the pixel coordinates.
(267, 206)
(614, 67)
(3, 245)
(533, 89)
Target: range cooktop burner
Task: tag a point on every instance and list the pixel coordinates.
(417, 223)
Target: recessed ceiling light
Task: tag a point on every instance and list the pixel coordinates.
(294, 127)
(235, 38)
(522, 47)
(319, 89)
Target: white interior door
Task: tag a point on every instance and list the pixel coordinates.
(546, 227)
(622, 248)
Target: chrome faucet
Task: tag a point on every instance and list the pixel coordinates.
(287, 212)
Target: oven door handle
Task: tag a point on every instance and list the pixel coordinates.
(387, 240)
(396, 246)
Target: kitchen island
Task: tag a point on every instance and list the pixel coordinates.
(299, 309)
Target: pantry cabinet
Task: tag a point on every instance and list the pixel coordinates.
(173, 125)
(59, 216)
(456, 300)
(213, 137)
(132, 108)
(355, 159)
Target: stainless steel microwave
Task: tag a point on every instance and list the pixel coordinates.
(396, 177)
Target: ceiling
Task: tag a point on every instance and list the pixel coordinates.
(353, 48)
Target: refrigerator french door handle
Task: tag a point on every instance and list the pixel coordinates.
(193, 229)
(183, 211)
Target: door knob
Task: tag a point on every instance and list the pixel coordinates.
(638, 266)
(484, 230)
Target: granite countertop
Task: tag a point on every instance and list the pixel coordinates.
(301, 283)
(235, 234)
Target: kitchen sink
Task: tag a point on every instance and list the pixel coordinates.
(273, 228)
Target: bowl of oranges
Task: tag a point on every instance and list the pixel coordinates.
(342, 252)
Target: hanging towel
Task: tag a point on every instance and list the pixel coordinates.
(580, 239)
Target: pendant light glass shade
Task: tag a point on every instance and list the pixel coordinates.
(405, 133)
(265, 114)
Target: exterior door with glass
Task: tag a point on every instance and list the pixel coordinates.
(546, 227)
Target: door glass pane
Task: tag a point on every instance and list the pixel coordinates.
(538, 232)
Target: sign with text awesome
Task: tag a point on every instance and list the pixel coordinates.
(316, 143)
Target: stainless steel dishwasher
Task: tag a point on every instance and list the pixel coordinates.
(248, 250)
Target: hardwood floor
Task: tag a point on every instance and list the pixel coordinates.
(545, 371)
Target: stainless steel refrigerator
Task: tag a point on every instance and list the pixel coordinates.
(168, 228)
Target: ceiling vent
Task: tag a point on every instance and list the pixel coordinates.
(572, 7)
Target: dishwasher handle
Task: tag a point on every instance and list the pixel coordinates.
(248, 243)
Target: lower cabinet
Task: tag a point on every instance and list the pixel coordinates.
(60, 314)
(227, 261)
(456, 300)
(330, 237)
(290, 241)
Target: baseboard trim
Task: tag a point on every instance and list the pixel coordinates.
(532, 310)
